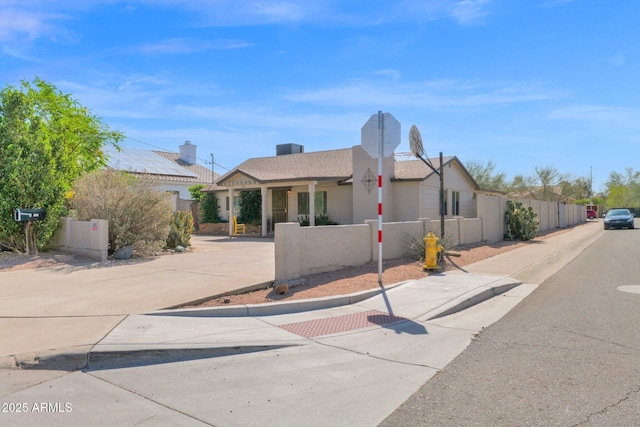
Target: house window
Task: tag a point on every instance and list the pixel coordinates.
(444, 206)
(303, 203)
(320, 203)
(456, 203)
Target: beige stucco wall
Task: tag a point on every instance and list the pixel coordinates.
(365, 202)
(489, 210)
(301, 251)
(396, 237)
(89, 238)
(306, 250)
(405, 205)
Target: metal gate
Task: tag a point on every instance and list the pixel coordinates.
(279, 206)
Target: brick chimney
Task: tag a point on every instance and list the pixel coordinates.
(188, 153)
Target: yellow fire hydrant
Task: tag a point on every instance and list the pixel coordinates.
(431, 250)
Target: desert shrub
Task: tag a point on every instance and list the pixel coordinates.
(138, 214)
(415, 246)
(321, 219)
(180, 230)
(209, 210)
(521, 221)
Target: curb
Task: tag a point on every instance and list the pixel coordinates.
(276, 308)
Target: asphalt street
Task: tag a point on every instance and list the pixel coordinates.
(568, 355)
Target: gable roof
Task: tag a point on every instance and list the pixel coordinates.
(318, 166)
(330, 165)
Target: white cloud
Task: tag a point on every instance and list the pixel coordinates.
(439, 95)
(183, 46)
(602, 115)
(469, 11)
(18, 25)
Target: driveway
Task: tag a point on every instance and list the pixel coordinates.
(76, 305)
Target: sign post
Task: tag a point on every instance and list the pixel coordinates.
(380, 137)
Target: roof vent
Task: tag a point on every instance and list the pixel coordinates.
(282, 149)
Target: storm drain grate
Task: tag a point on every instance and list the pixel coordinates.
(347, 322)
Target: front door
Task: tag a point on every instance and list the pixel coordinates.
(279, 206)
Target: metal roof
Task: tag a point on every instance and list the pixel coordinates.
(144, 161)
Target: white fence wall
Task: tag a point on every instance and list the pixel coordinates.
(300, 251)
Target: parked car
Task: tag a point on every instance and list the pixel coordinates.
(619, 218)
(591, 214)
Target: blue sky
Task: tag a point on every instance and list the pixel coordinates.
(522, 83)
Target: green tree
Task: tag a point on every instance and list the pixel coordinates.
(486, 176)
(195, 192)
(47, 141)
(623, 190)
(548, 185)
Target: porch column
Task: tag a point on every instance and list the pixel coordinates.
(231, 210)
(312, 204)
(263, 193)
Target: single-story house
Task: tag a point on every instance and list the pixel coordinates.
(344, 185)
(174, 172)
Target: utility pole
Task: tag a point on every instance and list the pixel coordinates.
(212, 174)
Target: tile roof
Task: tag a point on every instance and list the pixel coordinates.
(203, 173)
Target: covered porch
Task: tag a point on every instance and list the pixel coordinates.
(278, 201)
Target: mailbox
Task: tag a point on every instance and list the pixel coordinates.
(24, 215)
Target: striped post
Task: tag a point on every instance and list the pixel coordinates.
(380, 156)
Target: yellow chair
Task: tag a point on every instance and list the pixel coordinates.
(238, 228)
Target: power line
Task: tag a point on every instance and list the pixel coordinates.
(205, 161)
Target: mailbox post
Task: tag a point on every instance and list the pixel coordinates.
(26, 217)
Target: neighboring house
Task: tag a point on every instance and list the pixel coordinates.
(174, 172)
(344, 184)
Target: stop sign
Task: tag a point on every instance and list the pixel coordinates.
(370, 134)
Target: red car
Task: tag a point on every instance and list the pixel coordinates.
(591, 214)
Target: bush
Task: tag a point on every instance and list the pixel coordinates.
(521, 223)
(137, 213)
(180, 230)
(209, 209)
(250, 207)
(321, 219)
